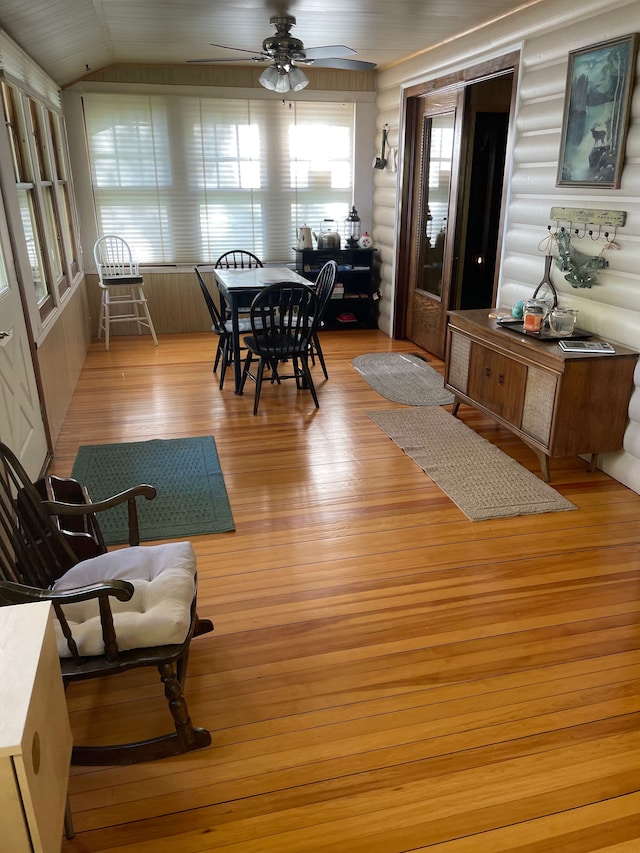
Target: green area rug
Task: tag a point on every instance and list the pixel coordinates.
(191, 495)
(478, 477)
(403, 378)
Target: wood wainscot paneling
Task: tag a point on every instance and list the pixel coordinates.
(175, 303)
(61, 355)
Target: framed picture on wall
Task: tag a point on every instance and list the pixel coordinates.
(600, 82)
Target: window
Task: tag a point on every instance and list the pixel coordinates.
(184, 179)
(38, 149)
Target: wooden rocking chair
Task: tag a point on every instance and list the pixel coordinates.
(115, 610)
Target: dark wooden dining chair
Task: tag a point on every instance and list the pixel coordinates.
(222, 328)
(282, 324)
(239, 259)
(115, 610)
(325, 282)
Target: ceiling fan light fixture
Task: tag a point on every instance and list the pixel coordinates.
(270, 78)
(283, 84)
(298, 80)
(282, 77)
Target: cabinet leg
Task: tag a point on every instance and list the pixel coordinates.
(544, 465)
(69, 831)
(594, 463)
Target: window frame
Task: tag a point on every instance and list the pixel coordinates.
(39, 156)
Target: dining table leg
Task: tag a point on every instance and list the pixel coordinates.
(235, 341)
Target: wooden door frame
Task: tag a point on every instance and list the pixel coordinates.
(509, 62)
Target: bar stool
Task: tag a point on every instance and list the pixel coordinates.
(122, 286)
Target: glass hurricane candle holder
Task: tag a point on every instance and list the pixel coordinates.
(562, 321)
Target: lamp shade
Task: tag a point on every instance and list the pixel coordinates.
(269, 78)
(297, 79)
(282, 84)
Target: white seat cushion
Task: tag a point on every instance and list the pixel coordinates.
(159, 611)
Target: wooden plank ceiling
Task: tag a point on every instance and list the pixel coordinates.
(66, 36)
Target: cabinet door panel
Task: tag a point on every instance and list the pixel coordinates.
(497, 382)
(458, 364)
(539, 402)
(15, 832)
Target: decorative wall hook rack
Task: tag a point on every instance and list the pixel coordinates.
(586, 216)
(581, 269)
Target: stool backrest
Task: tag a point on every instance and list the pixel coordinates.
(113, 257)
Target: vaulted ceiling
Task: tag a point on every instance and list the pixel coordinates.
(68, 37)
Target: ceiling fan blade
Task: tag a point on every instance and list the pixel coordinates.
(228, 47)
(328, 51)
(347, 64)
(260, 58)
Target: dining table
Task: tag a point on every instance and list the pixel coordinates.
(237, 288)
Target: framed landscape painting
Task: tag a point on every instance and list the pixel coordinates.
(596, 113)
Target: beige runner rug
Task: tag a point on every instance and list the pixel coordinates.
(478, 477)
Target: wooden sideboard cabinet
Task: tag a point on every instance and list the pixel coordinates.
(35, 736)
(560, 404)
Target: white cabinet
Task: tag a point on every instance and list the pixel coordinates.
(35, 736)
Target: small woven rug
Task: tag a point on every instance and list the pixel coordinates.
(478, 477)
(403, 378)
(191, 495)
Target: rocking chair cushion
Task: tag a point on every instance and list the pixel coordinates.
(158, 613)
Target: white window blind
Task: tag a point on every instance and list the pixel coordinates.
(184, 179)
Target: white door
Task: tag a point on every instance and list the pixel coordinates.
(21, 424)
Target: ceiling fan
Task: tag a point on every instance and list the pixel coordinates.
(285, 53)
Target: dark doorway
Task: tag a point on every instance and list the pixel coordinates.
(485, 199)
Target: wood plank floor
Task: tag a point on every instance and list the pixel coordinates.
(385, 675)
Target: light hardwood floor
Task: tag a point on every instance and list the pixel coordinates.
(385, 675)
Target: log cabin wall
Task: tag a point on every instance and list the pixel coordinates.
(543, 33)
